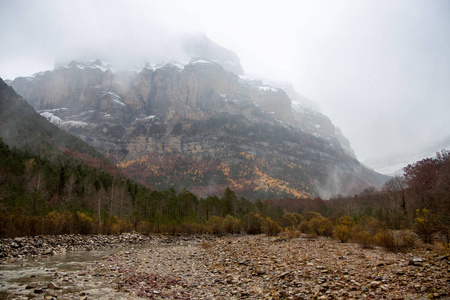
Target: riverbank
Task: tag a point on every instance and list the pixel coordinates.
(248, 267)
(19, 247)
(260, 267)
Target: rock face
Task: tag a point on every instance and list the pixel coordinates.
(201, 126)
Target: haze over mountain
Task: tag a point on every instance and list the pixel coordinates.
(378, 69)
(22, 128)
(201, 126)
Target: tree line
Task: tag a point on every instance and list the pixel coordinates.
(418, 200)
(38, 196)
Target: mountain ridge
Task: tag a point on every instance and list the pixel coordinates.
(230, 129)
(23, 128)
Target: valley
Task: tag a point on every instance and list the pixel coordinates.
(240, 267)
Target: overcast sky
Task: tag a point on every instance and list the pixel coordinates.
(379, 69)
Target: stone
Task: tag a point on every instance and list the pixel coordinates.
(416, 261)
(31, 285)
(54, 285)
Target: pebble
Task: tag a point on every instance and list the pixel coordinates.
(254, 267)
(11, 248)
(261, 267)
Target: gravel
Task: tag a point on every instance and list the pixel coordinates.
(260, 267)
(243, 267)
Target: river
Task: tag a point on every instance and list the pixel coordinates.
(61, 275)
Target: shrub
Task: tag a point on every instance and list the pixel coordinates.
(371, 225)
(231, 224)
(253, 223)
(215, 225)
(290, 220)
(5, 223)
(293, 233)
(342, 233)
(386, 239)
(425, 224)
(311, 215)
(406, 241)
(192, 228)
(270, 227)
(345, 220)
(83, 223)
(58, 223)
(395, 242)
(321, 226)
(363, 237)
(146, 227)
(304, 227)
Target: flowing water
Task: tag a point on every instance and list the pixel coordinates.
(30, 277)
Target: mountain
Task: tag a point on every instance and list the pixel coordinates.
(52, 182)
(199, 45)
(21, 127)
(201, 126)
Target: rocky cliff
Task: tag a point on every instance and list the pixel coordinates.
(200, 126)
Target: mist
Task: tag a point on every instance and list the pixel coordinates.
(379, 69)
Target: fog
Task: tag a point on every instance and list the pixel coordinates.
(379, 69)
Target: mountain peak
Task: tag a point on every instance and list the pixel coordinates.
(199, 126)
(202, 46)
(92, 64)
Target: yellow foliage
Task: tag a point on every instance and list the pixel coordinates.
(247, 156)
(342, 233)
(265, 182)
(270, 227)
(225, 168)
(29, 163)
(294, 166)
(425, 224)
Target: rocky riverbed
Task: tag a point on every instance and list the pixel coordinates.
(253, 267)
(18, 247)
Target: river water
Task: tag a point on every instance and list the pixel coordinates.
(29, 277)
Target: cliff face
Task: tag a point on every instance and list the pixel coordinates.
(199, 126)
(21, 127)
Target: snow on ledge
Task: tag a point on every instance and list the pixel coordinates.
(51, 118)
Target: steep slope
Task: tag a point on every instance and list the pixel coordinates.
(201, 127)
(23, 128)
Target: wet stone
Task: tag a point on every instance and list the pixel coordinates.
(257, 267)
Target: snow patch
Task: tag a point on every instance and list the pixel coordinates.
(201, 61)
(173, 64)
(148, 118)
(247, 78)
(53, 110)
(76, 124)
(118, 102)
(89, 64)
(267, 88)
(114, 97)
(51, 118)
